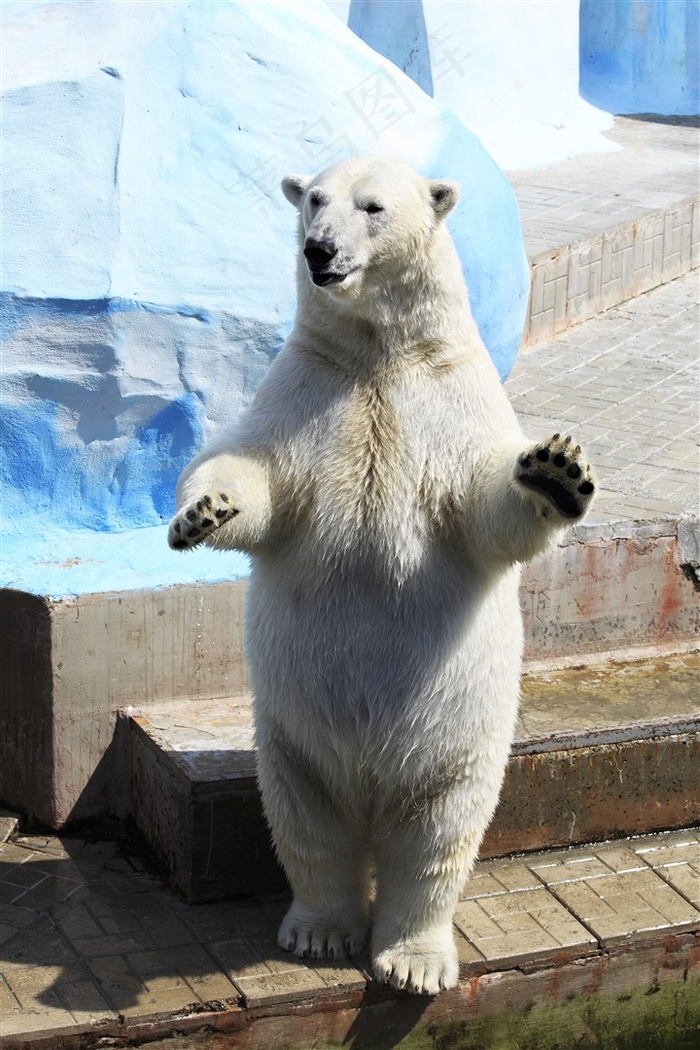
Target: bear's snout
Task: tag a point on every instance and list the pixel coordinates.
(318, 253)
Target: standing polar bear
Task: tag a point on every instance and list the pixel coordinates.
(384, 489)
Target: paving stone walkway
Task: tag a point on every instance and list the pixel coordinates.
(564, 203)
(604, 228)
(627, 384)
(91, 938)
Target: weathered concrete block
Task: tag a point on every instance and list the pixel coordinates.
(612, 587)
(69, 666)
(584, 794)
(222, 845)
(598, 754)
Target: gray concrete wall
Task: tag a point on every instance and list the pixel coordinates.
(69, 666)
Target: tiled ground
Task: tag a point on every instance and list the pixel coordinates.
(89, 935)
(603, 228)
(627, 384)
(563, 203)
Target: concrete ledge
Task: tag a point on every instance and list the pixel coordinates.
(644, 993)
(577, 281)
(590, 762)
(71, 664)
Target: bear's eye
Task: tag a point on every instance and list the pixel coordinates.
(314, 200)
(373, 208)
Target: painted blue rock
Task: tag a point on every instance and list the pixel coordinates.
(507, 70)
(149, 253)
(641, 56)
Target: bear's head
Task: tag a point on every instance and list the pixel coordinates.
(366, 222)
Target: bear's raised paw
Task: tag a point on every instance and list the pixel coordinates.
(557, 470)
(198, 520)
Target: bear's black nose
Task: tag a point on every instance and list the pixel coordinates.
(318, 253)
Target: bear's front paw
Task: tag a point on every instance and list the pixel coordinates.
(198, 520)
(557, 470)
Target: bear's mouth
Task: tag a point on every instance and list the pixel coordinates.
(322, 278)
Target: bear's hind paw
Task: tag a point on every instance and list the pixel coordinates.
(557, 471)
(309, 934)
(422, 965)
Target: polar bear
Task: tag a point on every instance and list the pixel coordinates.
(383, 487)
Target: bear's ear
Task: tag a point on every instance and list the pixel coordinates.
(444, 195)
(294, 187)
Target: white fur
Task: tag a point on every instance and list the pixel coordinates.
(375, 480)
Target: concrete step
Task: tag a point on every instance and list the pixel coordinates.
(599, 753)
(604, 228)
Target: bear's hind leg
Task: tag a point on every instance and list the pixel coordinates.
(422, 864)
(324, 851)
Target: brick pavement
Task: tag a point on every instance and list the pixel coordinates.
(90, 938)
(560, 204)
(627, 385)
(604, 228)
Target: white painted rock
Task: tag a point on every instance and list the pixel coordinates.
(149, 252)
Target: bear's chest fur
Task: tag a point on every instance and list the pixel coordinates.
(374, 466)
(369, 455)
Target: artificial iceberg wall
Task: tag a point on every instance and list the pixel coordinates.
(148, 274)
(641, 56)
(507, 68)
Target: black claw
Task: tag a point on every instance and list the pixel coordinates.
(223, 497)
(586, 488)
(555, 437)
(542, 454)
